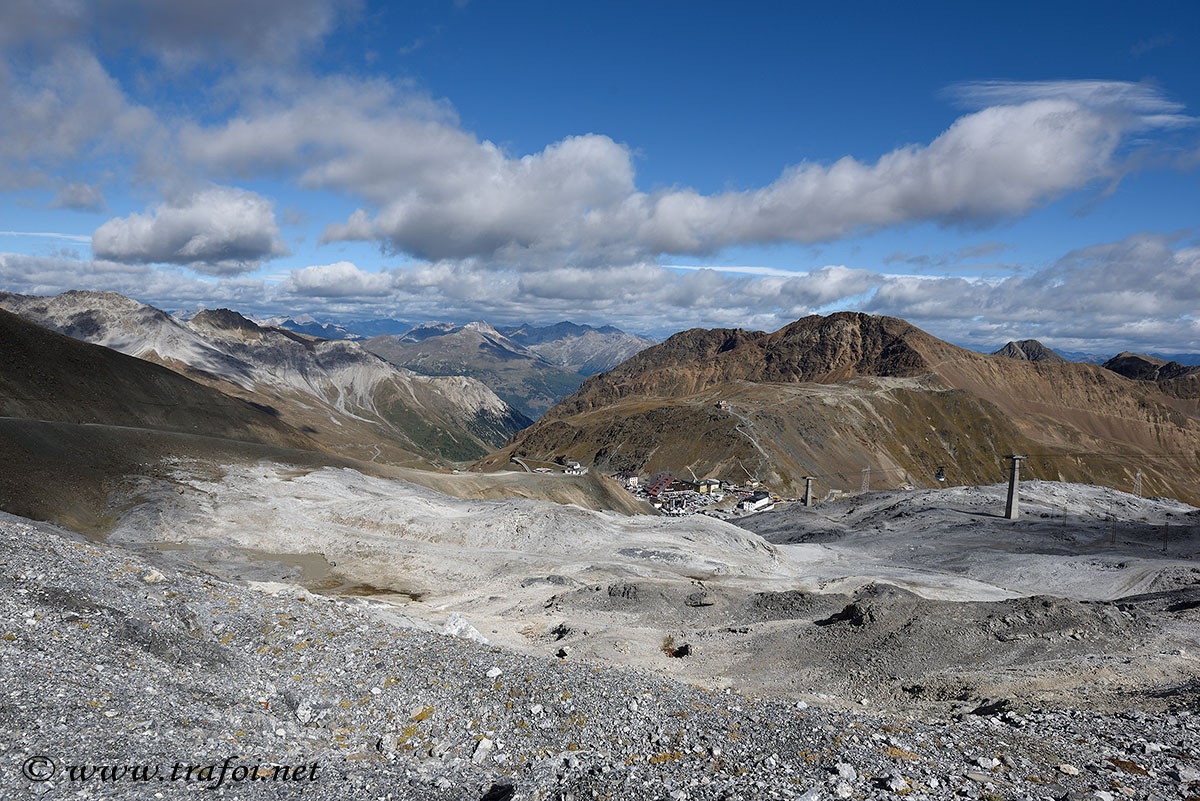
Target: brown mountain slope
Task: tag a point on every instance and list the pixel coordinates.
(77, 419)
(48, 376)
(829, 396)
(820, 349)
(1173, 378)
(85, 429)
(348, 400)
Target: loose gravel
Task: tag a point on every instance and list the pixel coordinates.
(108, 660)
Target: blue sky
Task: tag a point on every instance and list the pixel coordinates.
(1030, 170)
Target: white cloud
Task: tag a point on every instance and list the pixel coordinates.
(42, 275)
(1142, 100)
(1140, 293)
(999, 162)
(63, 109)
(48, 235)
(217, 231)
(437, 192)
(339, 280)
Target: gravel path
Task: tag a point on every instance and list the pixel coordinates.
(105, 660)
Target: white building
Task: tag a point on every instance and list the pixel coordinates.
(758, 502)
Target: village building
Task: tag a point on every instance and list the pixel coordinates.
(758, 502)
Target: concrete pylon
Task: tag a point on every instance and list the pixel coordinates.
(1013, 509)
(808, 480)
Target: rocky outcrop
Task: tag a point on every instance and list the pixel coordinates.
(1173, 378)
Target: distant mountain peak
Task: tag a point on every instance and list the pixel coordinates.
(419, 333)
(1029, 350)
(483, 328)
(224, 320)
(1142, 367)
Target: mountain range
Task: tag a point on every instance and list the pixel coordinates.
(831, 396)
(530, 367)
(340, 395)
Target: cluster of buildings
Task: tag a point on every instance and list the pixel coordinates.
(711, 496)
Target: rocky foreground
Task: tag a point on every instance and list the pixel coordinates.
(123, 681)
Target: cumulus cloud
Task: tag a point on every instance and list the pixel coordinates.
(50, 275)
(999, 162)
(218, 231)
(339, 280)
(1139, 293)
(62, 109)
(437, 192)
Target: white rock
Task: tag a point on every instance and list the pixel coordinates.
(846, 771)
(153, 577)
(1070, 770)
(494, 673)
(482, 749)
(843, 790)
(459, 626)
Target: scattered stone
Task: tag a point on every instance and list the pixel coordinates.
(482, 749)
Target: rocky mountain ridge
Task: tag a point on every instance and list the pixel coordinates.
(341, 394)
(832, 395)
(1173, 378)
(523, 378)
(581, 348)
